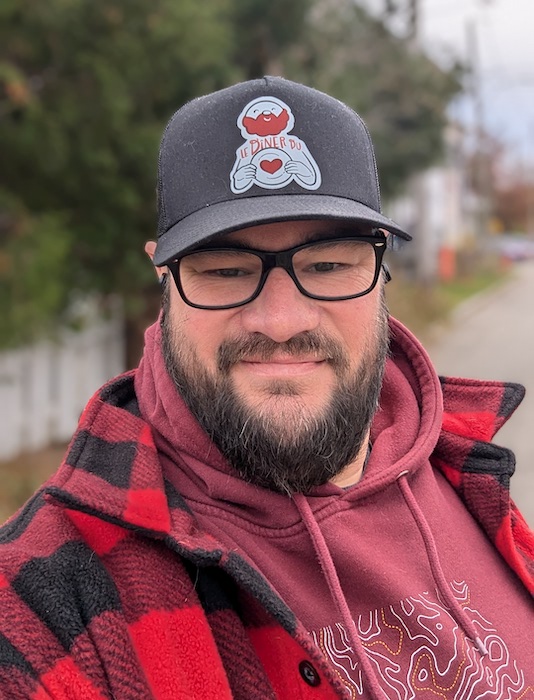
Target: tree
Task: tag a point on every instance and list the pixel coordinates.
(265, 30)
(513, 203)
(400, 93)
(86, 88)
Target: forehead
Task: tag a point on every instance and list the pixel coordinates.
(284, 234)
(266, 105)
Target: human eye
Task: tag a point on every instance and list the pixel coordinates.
(226, 272)
(326, 258)
(326, 267)
(222, 264)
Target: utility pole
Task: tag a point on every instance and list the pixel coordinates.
(529, 224)
(390, 7)
(414, 9)
(481, 174)
(425, 262)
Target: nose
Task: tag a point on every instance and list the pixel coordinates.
(280, 311)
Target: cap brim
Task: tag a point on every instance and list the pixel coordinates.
(250, 211)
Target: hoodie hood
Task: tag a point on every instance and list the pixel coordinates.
(404, 431)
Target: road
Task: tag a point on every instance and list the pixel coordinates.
(491, 336)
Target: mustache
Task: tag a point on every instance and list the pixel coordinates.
(257, 345)
(259, 126)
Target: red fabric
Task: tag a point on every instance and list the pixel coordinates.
(172, 645)
(477, 425)
(88, 613)
(281, 659)
(100, 535)
(514, 541)
(64, 682)
(141, 506)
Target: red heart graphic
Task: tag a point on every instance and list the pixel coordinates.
(271, 166)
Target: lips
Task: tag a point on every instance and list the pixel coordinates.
(311, 347)
(288, 367)
(284, 359)
(282, 362)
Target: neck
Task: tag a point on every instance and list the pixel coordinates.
(352, 473)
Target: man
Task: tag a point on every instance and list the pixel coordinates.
(283, 500)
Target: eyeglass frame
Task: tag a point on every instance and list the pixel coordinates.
(284, 260)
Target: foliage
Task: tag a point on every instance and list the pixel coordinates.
(400, 93)
(33, 259)
(86, 88)
(513, 204)
(265, 30)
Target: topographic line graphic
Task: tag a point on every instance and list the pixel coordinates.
(418, 650)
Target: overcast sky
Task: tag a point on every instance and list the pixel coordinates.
(505, 32)
(505, 40)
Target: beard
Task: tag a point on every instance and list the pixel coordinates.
(280, 444)
(270, 126)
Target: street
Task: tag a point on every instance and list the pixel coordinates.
(491, 336)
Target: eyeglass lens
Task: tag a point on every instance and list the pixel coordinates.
(329, 269)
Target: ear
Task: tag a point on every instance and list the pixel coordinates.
(150, 249)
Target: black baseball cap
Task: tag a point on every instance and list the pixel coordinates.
(263, 151)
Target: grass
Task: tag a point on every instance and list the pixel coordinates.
(20, 477)
(465, 287)
(418, 308)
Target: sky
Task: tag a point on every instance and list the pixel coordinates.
(504, 54)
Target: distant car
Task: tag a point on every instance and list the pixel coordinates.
(515, 247)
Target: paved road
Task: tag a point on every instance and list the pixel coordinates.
(492, 337)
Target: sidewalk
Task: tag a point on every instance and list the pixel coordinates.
(491, 336)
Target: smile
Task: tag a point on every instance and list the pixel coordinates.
(286, 367)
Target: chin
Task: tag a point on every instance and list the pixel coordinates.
(281, 408)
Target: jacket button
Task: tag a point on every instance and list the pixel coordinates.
(309, 674)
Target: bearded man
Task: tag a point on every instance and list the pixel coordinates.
(283, 500)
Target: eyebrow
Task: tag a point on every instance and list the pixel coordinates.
(310, 238)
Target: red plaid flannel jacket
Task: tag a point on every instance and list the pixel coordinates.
(108, 589)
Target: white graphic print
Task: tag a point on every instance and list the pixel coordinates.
(270, 157)
(438, 661)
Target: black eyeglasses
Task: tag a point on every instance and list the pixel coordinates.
(329, 270)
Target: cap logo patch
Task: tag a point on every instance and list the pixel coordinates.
(270, 157)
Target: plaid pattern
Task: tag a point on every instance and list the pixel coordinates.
(479, 470)
(92, 606)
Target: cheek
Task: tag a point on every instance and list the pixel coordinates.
(356, 323)
(204, 337)
(203, 330)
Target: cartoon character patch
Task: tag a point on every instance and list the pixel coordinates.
(270, 157)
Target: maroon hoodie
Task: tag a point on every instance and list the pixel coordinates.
(391, 576)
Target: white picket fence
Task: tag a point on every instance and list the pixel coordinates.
(44, 387)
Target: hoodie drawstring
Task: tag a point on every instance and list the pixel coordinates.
(435, 566)
(329, 570)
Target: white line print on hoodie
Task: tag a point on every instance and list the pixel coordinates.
(437, 658)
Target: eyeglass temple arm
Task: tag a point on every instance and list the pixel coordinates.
(387, 273)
